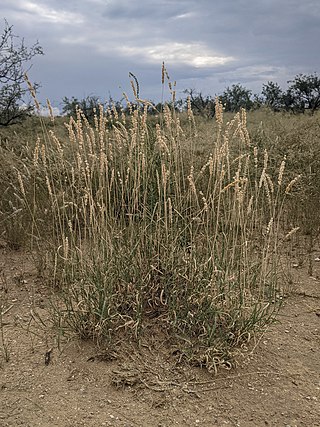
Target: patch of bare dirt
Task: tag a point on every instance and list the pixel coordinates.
(78, 385)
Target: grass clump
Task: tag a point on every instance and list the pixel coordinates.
(138, 231)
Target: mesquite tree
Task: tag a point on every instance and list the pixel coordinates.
(14, 59)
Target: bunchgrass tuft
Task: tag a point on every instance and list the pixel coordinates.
(136, 227)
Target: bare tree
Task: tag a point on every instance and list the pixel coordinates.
(14, 54)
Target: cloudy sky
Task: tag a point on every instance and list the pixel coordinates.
(91, 45)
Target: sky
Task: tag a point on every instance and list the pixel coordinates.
(91, 46)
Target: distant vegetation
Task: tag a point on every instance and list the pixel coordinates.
(303, 94)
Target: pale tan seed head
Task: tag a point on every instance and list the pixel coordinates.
(255, 156)
(292, 183)
(267, 188)
(269, 226)
(36, 153)
(265, 160)
(281, 171)
(293, 231)
(32, 92)
(21, 184)
(219, 111)
(249, 209)
(270, 183)
(50, 110)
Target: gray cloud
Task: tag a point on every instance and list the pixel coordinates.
(142, 11)
(91, 45)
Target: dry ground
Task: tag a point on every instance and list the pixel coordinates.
(77, 385)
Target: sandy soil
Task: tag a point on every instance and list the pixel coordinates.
(78, 385)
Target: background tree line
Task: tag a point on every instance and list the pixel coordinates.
(302, 94)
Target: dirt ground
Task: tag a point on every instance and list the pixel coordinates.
(277, 384)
